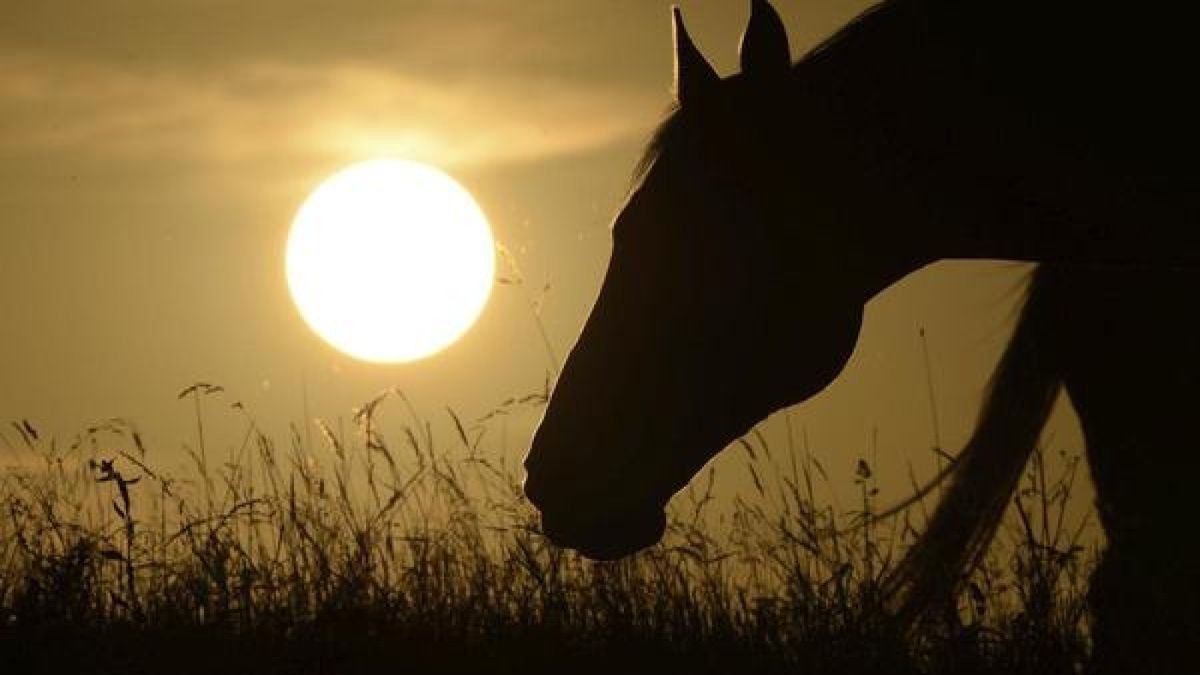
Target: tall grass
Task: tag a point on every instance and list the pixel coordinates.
(385, 549)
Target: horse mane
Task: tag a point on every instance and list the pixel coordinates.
(866, 21)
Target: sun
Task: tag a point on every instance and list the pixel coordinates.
(390, 260)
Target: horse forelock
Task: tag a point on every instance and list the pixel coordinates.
(660, 138)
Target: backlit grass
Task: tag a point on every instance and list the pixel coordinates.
(384, 549)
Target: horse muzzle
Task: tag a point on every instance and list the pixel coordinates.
(605, 535)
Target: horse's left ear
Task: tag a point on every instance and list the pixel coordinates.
(765, 50)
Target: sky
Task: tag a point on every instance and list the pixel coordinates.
(153, 155)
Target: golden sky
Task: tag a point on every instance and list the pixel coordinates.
(152, 155)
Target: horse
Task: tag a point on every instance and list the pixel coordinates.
(772, 204)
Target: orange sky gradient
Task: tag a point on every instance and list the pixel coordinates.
(154, 154)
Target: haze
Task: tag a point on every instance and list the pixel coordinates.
(155, 153)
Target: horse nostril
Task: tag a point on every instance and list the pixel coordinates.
(534, 488)
(540, 471)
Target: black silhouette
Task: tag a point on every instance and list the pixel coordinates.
(774, 203)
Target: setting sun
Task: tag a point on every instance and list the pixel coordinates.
(390, 260)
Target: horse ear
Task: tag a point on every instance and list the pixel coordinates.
(694, 77)
(765, 49)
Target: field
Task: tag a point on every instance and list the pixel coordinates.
(382, 549)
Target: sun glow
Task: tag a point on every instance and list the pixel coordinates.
(390, 260)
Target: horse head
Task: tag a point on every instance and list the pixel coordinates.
(706, 323)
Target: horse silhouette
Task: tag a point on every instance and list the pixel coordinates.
(773, 204)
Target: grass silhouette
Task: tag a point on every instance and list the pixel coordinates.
(383, 550)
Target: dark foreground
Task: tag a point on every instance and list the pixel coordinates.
(380, 553)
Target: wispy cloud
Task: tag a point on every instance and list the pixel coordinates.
(278, 111)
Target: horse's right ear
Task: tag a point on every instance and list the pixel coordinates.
(694, 76)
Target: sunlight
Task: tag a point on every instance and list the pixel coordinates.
(390, 260)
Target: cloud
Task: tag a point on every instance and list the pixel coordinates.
(280, 111)
(434, 35)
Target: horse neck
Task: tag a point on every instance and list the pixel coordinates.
(939, 164)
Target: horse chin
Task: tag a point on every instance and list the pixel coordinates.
(607, 536)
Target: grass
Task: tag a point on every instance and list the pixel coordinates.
(383, 550)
